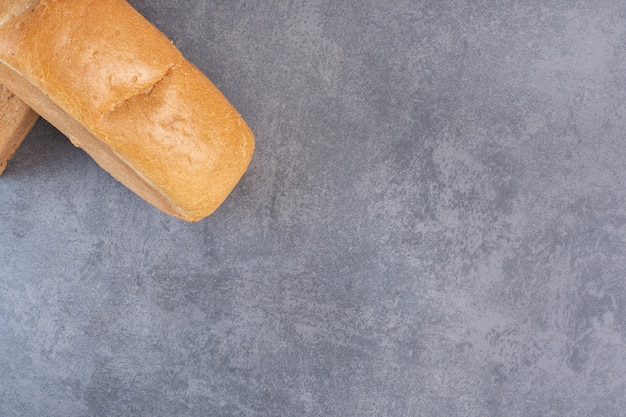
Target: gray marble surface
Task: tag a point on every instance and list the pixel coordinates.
(433, 224)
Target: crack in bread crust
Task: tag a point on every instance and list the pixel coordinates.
(147, 92)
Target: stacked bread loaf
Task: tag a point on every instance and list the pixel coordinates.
(119, 89)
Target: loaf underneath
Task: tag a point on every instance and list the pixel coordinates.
(16, 121)
(119, 89)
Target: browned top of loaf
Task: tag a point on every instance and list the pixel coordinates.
(122, 79)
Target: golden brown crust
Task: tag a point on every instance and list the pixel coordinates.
(104, 66)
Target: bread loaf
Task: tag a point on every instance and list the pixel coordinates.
(120, 90)
(16, 120)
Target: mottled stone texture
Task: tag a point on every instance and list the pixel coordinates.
(434, 224)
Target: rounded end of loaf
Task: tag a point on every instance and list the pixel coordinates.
(184, 138)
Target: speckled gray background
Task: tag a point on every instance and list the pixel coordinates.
(434, 224)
